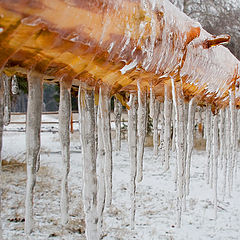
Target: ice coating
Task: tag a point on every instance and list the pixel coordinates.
(119, 47)
(118, 43)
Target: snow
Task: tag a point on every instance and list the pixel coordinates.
(155, 197)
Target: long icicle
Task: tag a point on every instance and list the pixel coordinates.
(190, 132)
(167, 127)
(211, 154)
(208, 141)
(141, 130)
(132, 145)
(33, 127)
(228, 147)
(183, 114)
(215, 160)
(173, 130)
(154, 114)
(64, 133)
(238, 122)
(179, 118)
(104, 103)
(161, 122)
(1, 133)
(236, 142)
(101, 193)
(152, 103)
(7, 101)
(79, 113)
(89, 164)
(232, 140)
(155, 128)
(118, 114)
(222, 139)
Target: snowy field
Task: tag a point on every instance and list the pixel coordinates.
(156, 196)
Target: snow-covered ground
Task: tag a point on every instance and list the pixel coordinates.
(156, 196)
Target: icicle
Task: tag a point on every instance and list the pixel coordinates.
(96, 107)
(236, 142)
(190, 132)
(7, 101)
(222, 139)
(117, 113)
(154, 114)
(152, 103)
(174, 130)
(161, 122)
(179, 118)
(89, 164)
(2, 76)
(132, 144)
(232, 141)
(101, 193)
(167, 127)
(205, 125)
(79, 113)
(238, 122)
(15, 88)
(64, 133)
(208, 141)
(228, 147)
(155, 128)
(33, 127)
(211, 154)
(104, 103)
(201, 128)
(141, 131)
(215, 160)
(174, 126)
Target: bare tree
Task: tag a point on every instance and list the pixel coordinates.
(217, 17)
